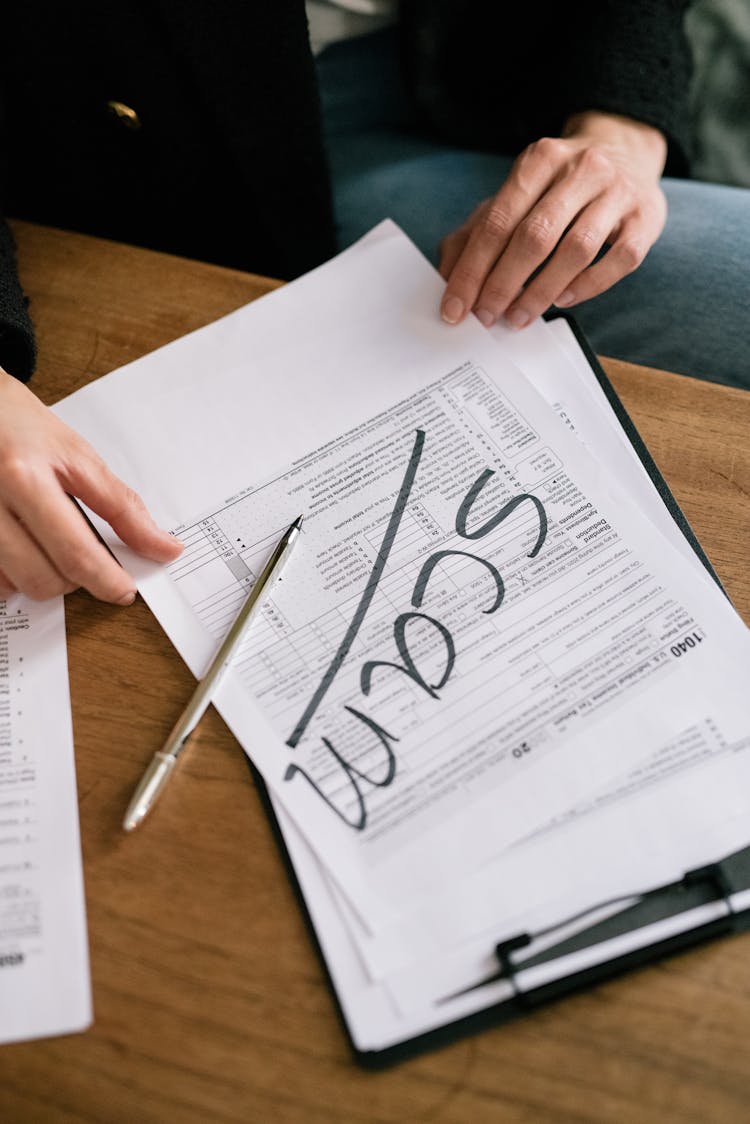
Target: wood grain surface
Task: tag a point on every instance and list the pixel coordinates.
(210, 1003)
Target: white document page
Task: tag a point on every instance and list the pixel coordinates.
(431, 973)
(683, 824)
(589, 602)
(44, 971)
(550, 358)
(684, 812)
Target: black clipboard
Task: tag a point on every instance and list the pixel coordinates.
(679, 903)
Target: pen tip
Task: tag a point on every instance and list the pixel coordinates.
(297, 522)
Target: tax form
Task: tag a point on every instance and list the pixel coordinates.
(411, 999)
(479, 627)
(44, 974)
(673, 795)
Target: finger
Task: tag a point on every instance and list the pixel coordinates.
(577, 250)
(538, 234)
(92, 482)
(453, 244)
(60, 531)
(530, 177)
(451, 307)
(624, 255)
(450, 250)
(7, 589)
(25, 566)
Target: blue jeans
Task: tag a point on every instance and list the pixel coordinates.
(686, 309)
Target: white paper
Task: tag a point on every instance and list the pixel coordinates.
(552, 361)
(317, 392)
(44, 975)
(429, 973)
(685, 823)
(551, 688)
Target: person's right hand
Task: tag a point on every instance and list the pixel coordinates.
(46, 545)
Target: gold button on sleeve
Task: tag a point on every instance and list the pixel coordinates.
(125, 114)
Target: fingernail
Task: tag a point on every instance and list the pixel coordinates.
(517, 318)
(565, 298)
(128, 599)
(452, 310)
(485, 317)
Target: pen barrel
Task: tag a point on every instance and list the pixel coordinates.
(157, 775)
(152, 782)
(272, 571)
(160, 769)
(208, 686)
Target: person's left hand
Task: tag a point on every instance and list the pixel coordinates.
(565, 198)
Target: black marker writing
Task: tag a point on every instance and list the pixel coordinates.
(408, 666)
(368, 593)
(468, 502)
(425, 573)
(359, 779)
(352, 772)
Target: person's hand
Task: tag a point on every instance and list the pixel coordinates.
(46, 546)
(565, 198)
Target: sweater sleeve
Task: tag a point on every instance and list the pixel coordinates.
(498, 76)
(631, 57)
(17, 349)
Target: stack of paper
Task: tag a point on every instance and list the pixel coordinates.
(495, 686)
(44, 970)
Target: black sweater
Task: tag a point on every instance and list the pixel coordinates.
(227, 163)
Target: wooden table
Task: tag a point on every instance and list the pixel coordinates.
(210, 1002)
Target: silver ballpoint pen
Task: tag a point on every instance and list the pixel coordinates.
(162, 764)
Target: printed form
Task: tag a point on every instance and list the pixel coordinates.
(478, 629)
(480, 653)
(413, 968)
(44, 975)
(673, 796)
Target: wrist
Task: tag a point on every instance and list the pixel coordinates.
(625, 134)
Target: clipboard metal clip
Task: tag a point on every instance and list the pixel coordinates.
(706, 884)
(507, 971)
(714, 876)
